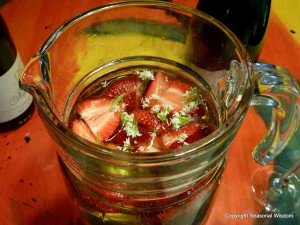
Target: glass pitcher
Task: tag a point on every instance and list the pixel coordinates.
(166, 187)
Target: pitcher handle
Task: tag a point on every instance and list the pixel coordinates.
(276, 87)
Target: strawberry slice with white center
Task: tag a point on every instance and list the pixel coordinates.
(99, 117)
(163, 91)
(92, 109)
(176, 91)
(156, 88)
(79, 127)
(175, 94)
(105, 125)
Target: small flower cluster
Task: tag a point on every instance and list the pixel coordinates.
(126, 146)
(146, 101)
(180, 119)
(145, 74)
(195, 97)
(162, 111)
(130, 125)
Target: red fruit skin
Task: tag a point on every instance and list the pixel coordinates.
(119, 137)
(174, 145)
(198, 112)
(148, 120)
(144, 140)
(131, 87)
(197, 135)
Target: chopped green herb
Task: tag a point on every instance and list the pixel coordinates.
(114, 106)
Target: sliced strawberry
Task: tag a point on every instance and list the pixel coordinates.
(98, 116)
(132, 101)
(143, 140)
(164, 91)
(175, 95)
(204, 130)
(208, 129)
(148, 120)
(105, 125)
(157, 143)
(122, 85)
(199, 111)
(91, 109)
(131, 86)
(79, 127)
(156, 87)
(176, 91)
(192, 132)
(176, 138)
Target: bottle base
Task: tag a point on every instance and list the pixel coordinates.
(19, 121)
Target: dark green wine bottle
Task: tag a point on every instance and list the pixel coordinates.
(248, 19)
(16, 106)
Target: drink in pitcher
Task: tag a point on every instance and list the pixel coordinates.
(143, 110)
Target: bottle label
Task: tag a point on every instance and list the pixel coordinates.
(13, 101)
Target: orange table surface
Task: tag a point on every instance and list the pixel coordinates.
(32, 190)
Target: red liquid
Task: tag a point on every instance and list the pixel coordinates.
(144, 111)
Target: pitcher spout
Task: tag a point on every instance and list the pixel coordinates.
(33, 80)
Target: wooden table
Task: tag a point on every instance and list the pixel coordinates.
(32, 190)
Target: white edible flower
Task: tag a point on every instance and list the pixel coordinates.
(155, 108)
(193, 93)
(145, 102)
(178, 120)
(146, 75)
(130, 125)
(175, 120)
(162, 111)
(168, 107)
(190, 106)
(126, 146)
